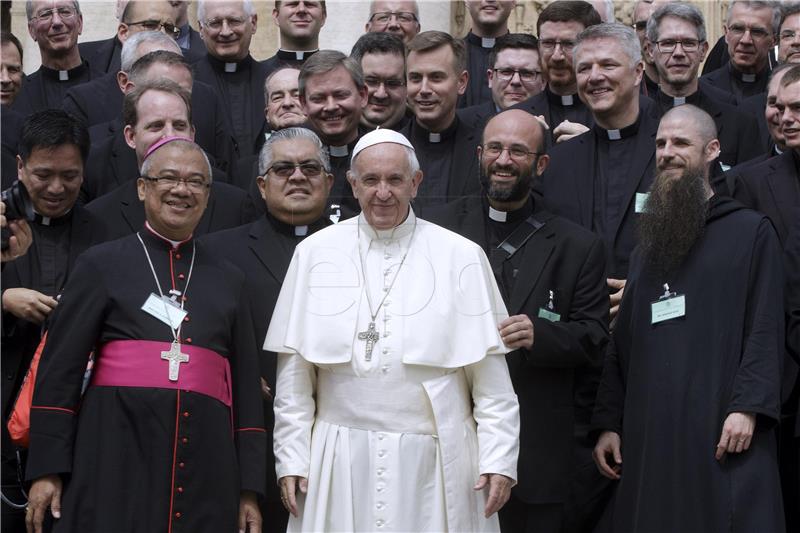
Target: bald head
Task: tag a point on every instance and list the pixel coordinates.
(686, 143)
(694, 119)
(527, 128)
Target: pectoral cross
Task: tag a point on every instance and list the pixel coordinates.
(175, 358)
(371, 336)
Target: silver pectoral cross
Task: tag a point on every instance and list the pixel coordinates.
(371, 336)
(175, 358)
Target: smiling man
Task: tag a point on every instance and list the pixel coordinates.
(10, 68)
(299, 23)
(227, 27)
(393, 364)
(398, 17)
(169, 320)
(55, 27)
(382, 57)
(750, 30)
(437, 74)
(294, 181)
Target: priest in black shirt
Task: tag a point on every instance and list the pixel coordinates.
(55, 26)
(750, 33)
(445, 145)
(382, 57)
(558, 26)
(489, 21)
(294, 181)
(333, 94)
(227, 29)
(299, 24)
(52, 153)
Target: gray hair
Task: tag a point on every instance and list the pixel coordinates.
(29, 8)
(411, 156)
(289, 134)
(130, 49)
(758, 4)
(186, 146)
(686, 12)
(372, 9)
(624, 35)
(247, 7)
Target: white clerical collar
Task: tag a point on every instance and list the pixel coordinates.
(748, 78)
(63, 75)
(404, 229)
(614, 135)
(300, 55)
(339, 151)
(435, 137)
(174, 244)
(567, 100)
(497, 216)
(300, 231)
(487, 42)
(778, 151)
(678, 100)
(231, 67)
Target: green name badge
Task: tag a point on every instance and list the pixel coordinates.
(549, 315)
(641, 199)
(668, 308)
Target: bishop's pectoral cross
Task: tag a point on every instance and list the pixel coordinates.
(175, 358)
(371, 336)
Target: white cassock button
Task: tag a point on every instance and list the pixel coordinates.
(385, 351)
(381, 436)
(385, 370)
(381, 472)
(379, 523)
(380, 505)
(382, 453)
(380, 487)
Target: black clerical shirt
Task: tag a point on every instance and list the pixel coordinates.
(435, 152)
(46, 88)
(478, 49)
(287, 58)
(501, 225)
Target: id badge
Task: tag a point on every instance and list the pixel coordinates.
(549, 315)
(665, 309)
(641, 200)
(165, 310)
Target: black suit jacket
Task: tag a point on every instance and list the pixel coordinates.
(204, 71)
(103, 56)
(540, 105)
(100, 101)
(477, 115)
(570, 261)
(756, 105)
(722, 80)
(122, 212)
(197, 47)
(724, 184)
(568, 186)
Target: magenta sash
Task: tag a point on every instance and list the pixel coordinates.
(139, 364)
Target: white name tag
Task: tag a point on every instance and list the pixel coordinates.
(164, 310)
(641, 199)
(668, 308)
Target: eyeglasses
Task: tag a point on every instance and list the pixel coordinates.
(640, 25)
(234, 23)
(787, 35)
(403, 17)
(64, 13)
(667, 46)
(526, 76)
(168, 183)
(550, 45)
(391, 84)
(285, 169)
(515, 151)
(156, 25)
(739, 30)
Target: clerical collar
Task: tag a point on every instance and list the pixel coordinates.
(497, 216)
(160, 238)
(668, 101)
(623, 133)
(778, 151)
(230, 67)
(64, 75)
(404, 229)
(420, 133)
(559, 100)
(339, 151)
(483, 42)
(295, 55)
(52, 221)
(747, 78)
(510, 217)
(295, 231)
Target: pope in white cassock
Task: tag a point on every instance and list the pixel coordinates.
(394, 410)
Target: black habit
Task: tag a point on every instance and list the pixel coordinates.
(263, 250)
(449, 162)
(668, 387)
(741, 86)
(568, 261)
(103, 55)
(556, 109)
(122, 212)
(144, 458)
(241, 87)
(46, 88)
(478, 90)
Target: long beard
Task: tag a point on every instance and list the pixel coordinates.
(674, 219)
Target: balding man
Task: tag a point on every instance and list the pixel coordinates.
(136, 16)
(399, 17)
(551, 275)
(677, 320)
(176, 376)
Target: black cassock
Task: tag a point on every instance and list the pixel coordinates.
(668, 387)
(46, 88)
(148, 459)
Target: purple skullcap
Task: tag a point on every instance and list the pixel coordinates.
(161, 142)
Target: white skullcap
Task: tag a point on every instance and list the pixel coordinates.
(377, 137)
